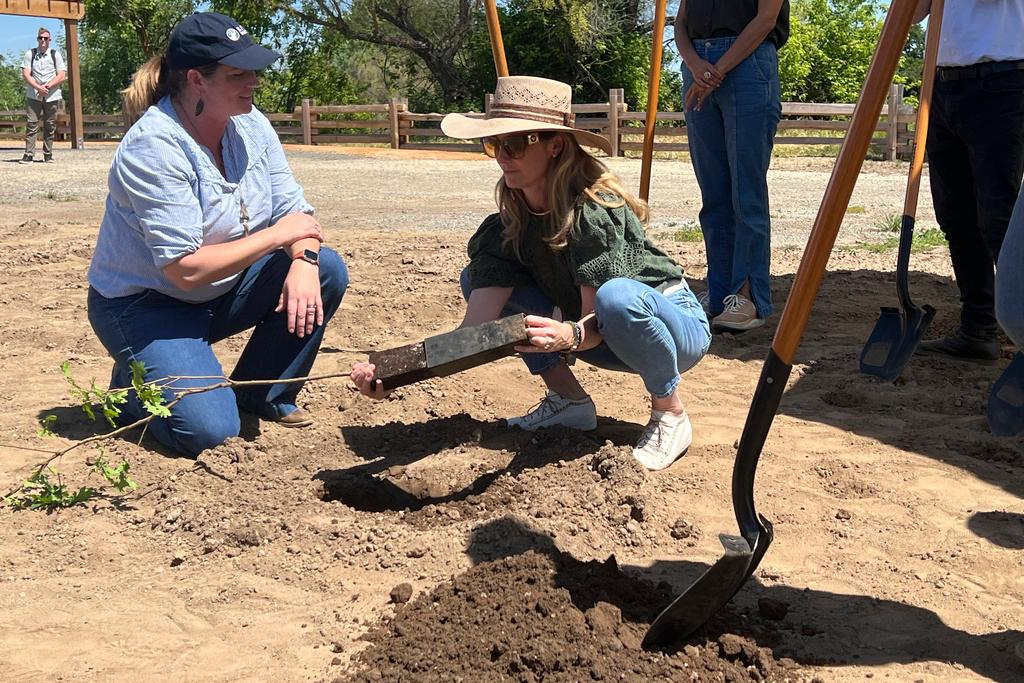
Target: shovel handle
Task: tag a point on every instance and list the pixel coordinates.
(494, 31)
(653, 82)
(931, 57)
(844, 176)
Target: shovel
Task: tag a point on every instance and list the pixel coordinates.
(743, 553)
(494, 31)
(1006, 402)
(899, 330)
(653, 83)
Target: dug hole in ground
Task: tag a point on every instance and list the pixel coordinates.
(417, 539)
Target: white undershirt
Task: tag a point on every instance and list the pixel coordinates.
(981, 31)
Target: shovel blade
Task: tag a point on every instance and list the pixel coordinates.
(893, 340)
(1006, 402)
(715, 587)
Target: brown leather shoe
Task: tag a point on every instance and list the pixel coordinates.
(300, 417)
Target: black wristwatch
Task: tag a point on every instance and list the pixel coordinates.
(310, 256)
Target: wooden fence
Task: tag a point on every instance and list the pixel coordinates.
(803, 123)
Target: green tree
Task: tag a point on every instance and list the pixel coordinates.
(12, 87)
(830, 49)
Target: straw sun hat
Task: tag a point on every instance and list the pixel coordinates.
(524, 104)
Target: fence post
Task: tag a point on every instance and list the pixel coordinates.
(307, 122)
(895, 104)
(487, 102)
(613, 119)
(393, 105)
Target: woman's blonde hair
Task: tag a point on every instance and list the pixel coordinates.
(575, 176)
(151, 82)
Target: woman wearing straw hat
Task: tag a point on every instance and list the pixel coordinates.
(568, 237)
(206, 234)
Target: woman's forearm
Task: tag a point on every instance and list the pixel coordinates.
(213, 262)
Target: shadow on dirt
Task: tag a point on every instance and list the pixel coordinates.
(818, 627)
(380, 485)
(936, 408)
(1002, 528)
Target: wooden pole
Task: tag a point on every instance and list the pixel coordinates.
(653, 82)
(307, 123)
(494, 30)
(74, 84)
(931, 55)
(613, 119)
(393, 121)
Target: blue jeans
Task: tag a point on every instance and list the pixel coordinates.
(1010, 277)
(172, 338)
(645, 332)
(731, 140)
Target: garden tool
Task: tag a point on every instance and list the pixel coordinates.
(653, 81)
(1006, 402)
(494, 31)
(744, 552)
(899, 330)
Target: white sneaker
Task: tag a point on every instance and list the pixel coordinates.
(554, 410)
(664, 441)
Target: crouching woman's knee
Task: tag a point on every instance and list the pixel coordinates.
(200, 421)
(618, 305)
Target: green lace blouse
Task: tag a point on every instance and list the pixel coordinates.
(605, 243)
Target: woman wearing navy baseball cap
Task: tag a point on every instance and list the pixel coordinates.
(206, 234)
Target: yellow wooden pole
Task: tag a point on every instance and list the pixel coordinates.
(653, 82)
(494, 30)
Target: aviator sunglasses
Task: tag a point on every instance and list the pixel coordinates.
(514, 145)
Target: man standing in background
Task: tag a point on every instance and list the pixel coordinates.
(43, 70)
(976, 156)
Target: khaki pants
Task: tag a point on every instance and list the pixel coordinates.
(47, 112)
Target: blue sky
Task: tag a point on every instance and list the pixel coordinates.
(18, 34)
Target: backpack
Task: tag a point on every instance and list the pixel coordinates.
(53, 56)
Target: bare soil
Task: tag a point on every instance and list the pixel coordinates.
(417, 539)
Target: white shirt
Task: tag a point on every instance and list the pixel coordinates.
(981, 31)
(44, 69)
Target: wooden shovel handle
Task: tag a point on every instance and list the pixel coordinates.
(931, 57)
(844, 177)
(653, 81)
(494, 31)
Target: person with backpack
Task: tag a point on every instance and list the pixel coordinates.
(43, 70)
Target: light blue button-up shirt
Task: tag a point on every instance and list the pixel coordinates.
(168, 198)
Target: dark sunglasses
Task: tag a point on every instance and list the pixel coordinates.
(514, 145)
(43, 38)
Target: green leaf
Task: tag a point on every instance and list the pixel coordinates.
(46, 426)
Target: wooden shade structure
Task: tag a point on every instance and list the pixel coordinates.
(71, 11)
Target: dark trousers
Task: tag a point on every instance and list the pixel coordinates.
(46, 112)
(976, 160)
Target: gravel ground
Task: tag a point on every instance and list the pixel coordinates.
(385, 190)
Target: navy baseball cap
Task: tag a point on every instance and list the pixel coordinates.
(208, 37)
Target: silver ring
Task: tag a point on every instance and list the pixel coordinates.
(707, 75)
(311, 306)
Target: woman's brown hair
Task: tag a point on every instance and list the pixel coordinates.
(573, 177)
(151, 82)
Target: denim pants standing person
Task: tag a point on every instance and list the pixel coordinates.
(733, 107)
(1010, 277)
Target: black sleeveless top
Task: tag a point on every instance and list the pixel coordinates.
(727, 18)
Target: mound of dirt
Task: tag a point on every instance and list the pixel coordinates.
(549, 617)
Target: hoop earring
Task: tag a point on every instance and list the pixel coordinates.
(199, 106)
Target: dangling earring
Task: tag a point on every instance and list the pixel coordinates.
(199, 106)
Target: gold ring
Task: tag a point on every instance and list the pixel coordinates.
(707, 75)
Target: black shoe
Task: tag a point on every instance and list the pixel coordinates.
(961, 345)
(26, 159)
(48, 160)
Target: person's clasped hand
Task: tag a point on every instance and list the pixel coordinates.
(706, 74)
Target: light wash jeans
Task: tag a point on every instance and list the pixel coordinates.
(731, 140)
(1010, 277)
(645, 332)
(173, 338)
